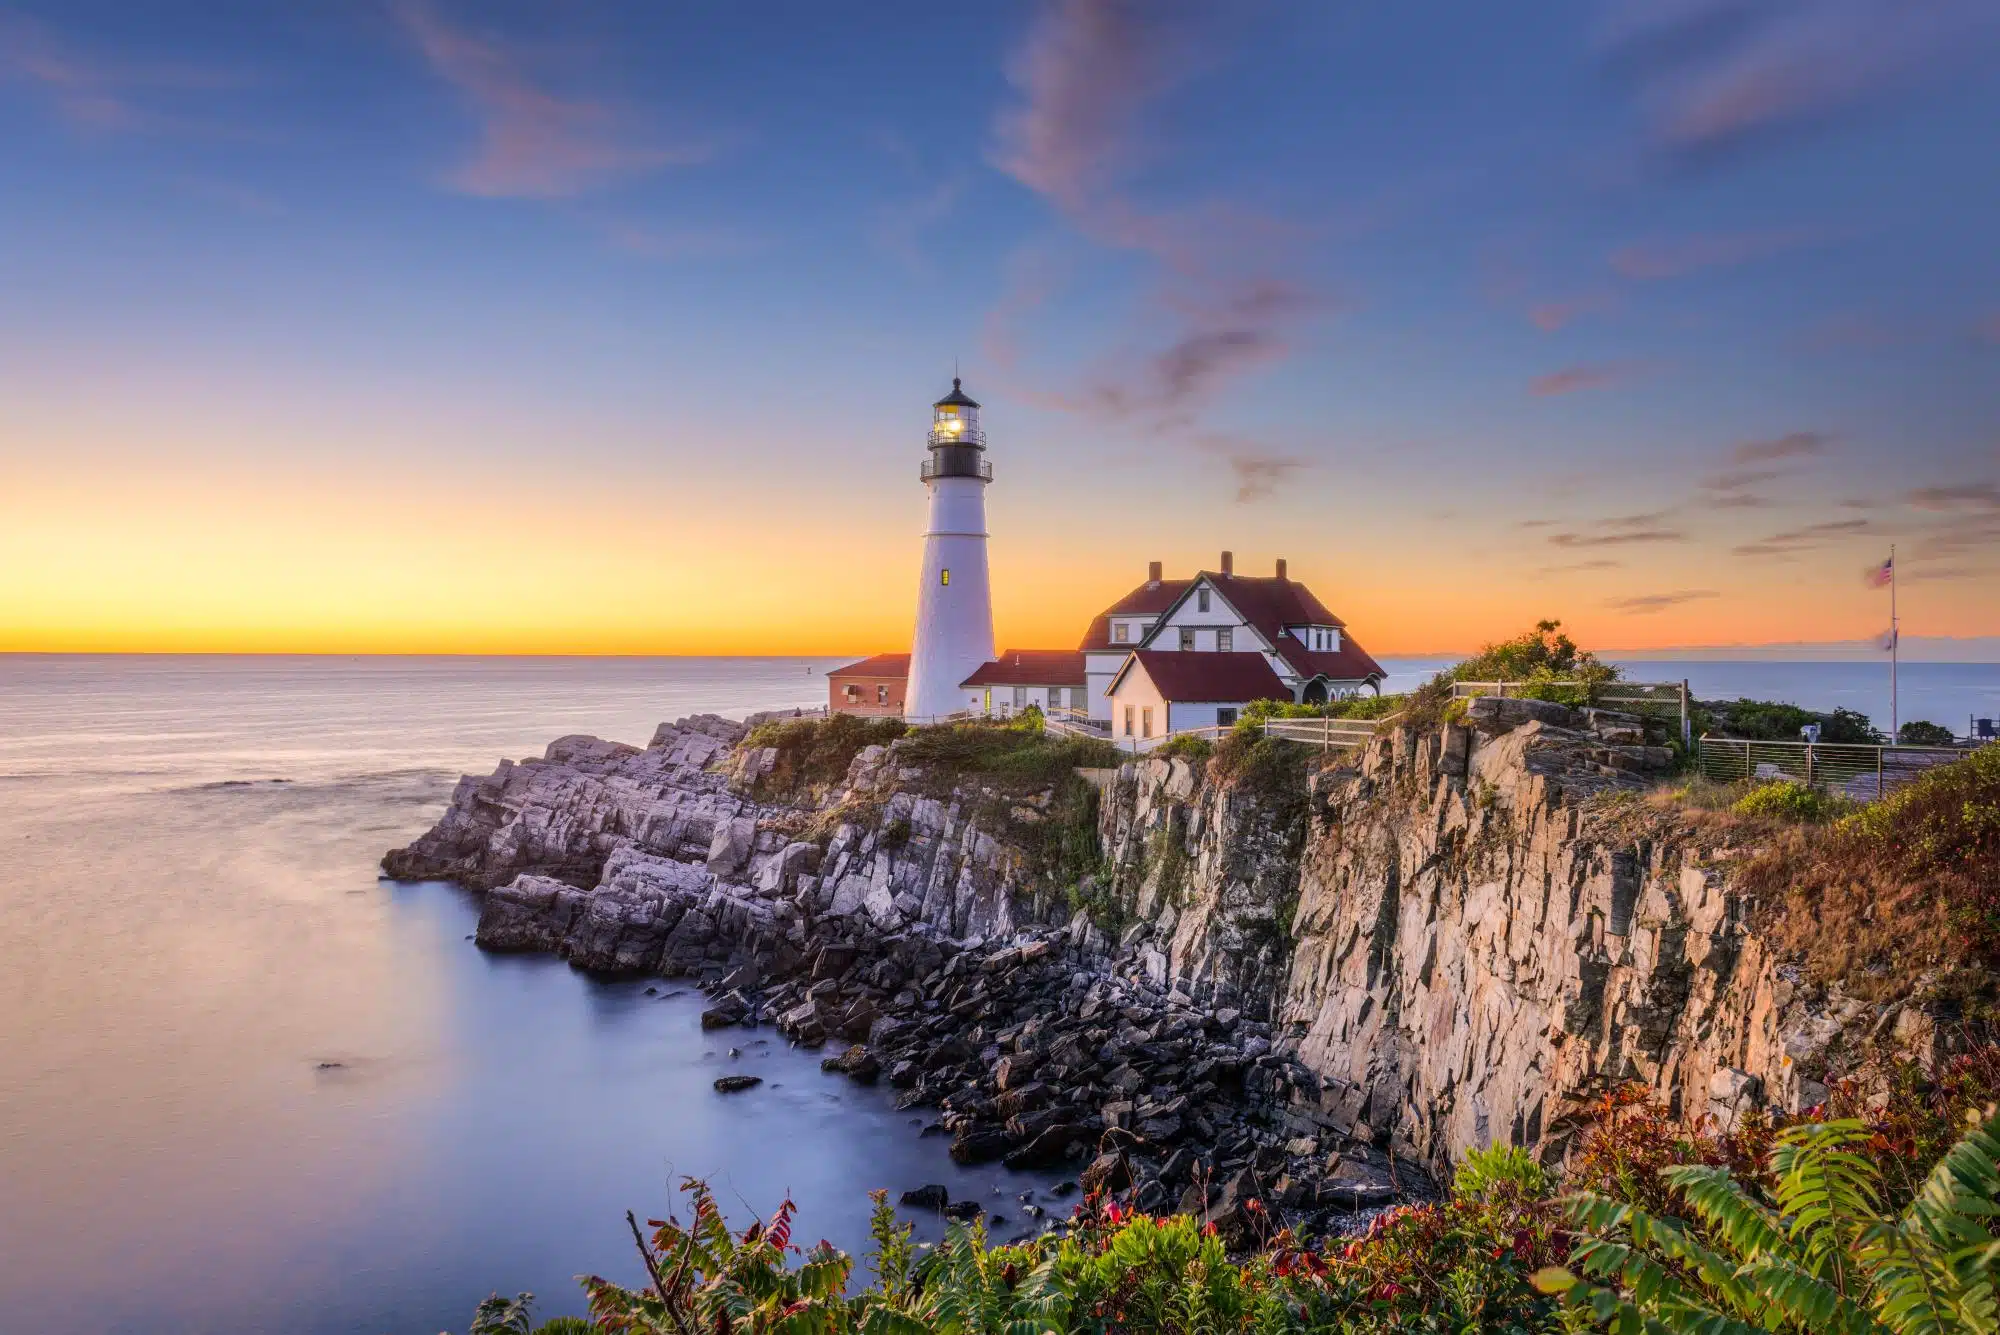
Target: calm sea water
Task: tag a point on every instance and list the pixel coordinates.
(184, 941)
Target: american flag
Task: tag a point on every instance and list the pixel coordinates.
(1886, 641)
(1881, 576)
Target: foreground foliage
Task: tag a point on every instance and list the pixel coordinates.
(1815, 1253)
(1872, 1224)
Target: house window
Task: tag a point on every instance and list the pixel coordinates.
(944, 576)
(1128, 720)
(1146, 721)
(1077, 699)
(1201, 600)
(1187, 639)
(853, 693)
(881, 695)
(1225, 718)
(1225, 641)
(1120, 633)
(1020, 697)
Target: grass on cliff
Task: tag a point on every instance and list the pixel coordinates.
(1013, 753)
(814, 753)
(1908, 883)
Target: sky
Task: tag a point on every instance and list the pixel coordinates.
(579, 326)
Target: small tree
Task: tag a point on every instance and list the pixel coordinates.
(1918, 732)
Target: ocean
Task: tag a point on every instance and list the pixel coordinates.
(249, 1086)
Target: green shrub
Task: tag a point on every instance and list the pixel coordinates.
(1918, 732)
(1186, 746)
(1789, 800)
(1486, 1173)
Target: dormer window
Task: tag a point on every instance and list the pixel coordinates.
(1120, 633)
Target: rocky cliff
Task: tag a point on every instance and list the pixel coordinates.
(1290, 970)
(1466, 934)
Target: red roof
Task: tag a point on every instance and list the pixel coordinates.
(1148, 597)
(1031, 667)
(1194, 676)
(1270, 604)
(881, 665)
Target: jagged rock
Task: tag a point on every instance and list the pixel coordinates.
(857, 1062)
(729, 848)
(1047, 1149)
(979, 1144)
(931, 1196)
(730, 1084)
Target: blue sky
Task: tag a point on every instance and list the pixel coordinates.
(1664, 318)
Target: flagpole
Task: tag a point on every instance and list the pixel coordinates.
(1895, 649)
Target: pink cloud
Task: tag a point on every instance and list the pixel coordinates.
(1572, 379)
(1551, 316)
(1713, 76)
(103, 95)
(1223, 300)
(1653, 260)
(534, 143)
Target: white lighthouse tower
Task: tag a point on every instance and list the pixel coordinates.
(954, 601)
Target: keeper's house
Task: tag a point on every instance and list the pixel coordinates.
(1171, 655)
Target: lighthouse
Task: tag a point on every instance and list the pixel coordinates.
(954, 601)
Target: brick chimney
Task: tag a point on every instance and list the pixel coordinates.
(1152, 574)
(1229, 563)
(1281, 567)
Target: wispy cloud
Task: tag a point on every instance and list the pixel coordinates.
(1572, 379)
(673, 244)
(1553, 316)
(1571, 567)
(1738, 479)
(1794, 445)
(1804, 539)
(1086, 72)
(535, 143)
(1714, 77)
(1646, 603)
(1740, 500)
(1259, 472)
(1621, 538)
(104, 95)
(1225, 298)
(1960, 496)
(1652, 261)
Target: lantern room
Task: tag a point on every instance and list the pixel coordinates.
(957, 444)
(955, 419)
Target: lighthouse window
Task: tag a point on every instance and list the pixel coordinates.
(944, 576)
